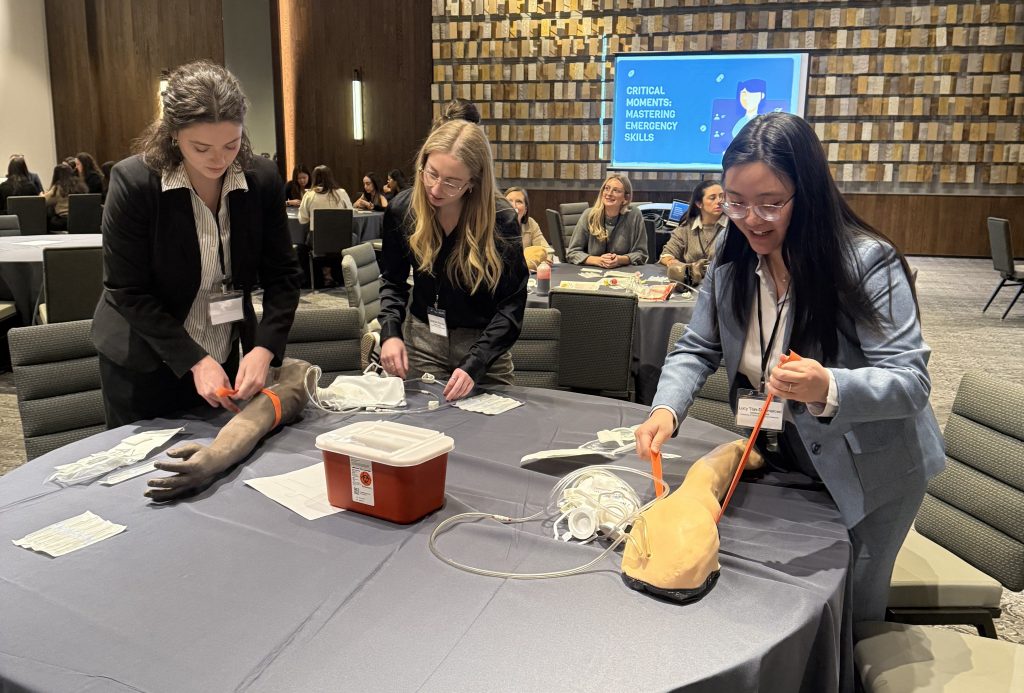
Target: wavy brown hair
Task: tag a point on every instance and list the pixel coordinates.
(197, 92)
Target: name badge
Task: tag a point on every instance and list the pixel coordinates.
(748, 407)
(435, 319)
(226, 307)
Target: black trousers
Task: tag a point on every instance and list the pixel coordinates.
(130, 395)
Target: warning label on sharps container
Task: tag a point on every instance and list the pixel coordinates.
(362, 480)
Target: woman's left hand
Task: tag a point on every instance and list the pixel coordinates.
(459, 385)
(805, 380)
(252, 373)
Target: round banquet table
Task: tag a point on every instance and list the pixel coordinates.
(228, 590)
(21, 264)
(653, 324)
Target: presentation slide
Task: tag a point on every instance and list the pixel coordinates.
(679, 112)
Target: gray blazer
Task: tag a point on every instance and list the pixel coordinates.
(628, 238)
(884, 434)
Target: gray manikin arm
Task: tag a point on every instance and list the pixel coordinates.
(197, 465)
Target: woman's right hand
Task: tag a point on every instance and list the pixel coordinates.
(653, 432)
(209, 378)
(393, 357)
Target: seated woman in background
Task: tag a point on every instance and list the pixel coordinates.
(372, 199)
(297, 186)
(106, 167)
(65, 182)
(324, 193)
(395, 184)
(693, 241)
(18, 182)
(532, 236)
(611, 233)
(89, 172)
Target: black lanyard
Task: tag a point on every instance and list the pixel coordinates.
(766, 350)
(711, 241)
(225, 282)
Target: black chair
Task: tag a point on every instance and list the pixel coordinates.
(331, 234)
(31, 213)
(72, 284)
(535, 354)
(555, 233)
(85, 212)
(9, 225)
(570, 213)
(1002, 260)
(596, 352)
(57, 377)
(329, 338)
(652, 241)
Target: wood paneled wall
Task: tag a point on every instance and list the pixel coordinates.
(918, 224)
(323, 42)
(105, 62)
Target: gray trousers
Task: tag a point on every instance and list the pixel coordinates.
(431, 353)
(875, 542)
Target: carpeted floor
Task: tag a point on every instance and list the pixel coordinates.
(951, 293)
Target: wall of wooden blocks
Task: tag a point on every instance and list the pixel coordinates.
(914, 96)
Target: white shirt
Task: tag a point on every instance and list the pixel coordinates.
(314, 200)
(214, 236)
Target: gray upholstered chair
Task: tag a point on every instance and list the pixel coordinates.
(556, 234)
(329, 338)
(570, 212)
(597, 341)
(536, 353)
(970, 535)
(72, 284)
(9, 225)
(1002, 261)
(57, 376)
(893, 657)
(85, 212)
(712, 401)
(31, 213)
(362, 282)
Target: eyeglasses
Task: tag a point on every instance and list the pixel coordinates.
(430, 179)
(734, 210)
(613, 191)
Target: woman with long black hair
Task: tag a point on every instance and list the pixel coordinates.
(798, 270)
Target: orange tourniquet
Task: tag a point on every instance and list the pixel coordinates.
(276, 401)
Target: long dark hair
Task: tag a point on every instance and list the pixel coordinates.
(300, 168)
(819, 248)
(399, 178)
(324, 183)
(693, 211)
(375, 179)
(197, 92)
(17, 170)
(88, 164)
(67, 181)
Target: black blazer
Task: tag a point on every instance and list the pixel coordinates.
(151, 267)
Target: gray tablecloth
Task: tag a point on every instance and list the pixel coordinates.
(653, 324)
(366, 226)
(230, 591)
(21, 264)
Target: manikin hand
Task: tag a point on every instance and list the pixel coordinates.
(195, 465)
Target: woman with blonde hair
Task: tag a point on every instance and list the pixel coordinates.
(611, 233)
(462, 243)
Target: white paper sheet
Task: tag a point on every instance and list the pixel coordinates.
(128, 473)
(69, 535)
(303, 491)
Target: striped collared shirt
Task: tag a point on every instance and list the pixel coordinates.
(214, 236)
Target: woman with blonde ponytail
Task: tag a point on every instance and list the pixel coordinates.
(463, 245)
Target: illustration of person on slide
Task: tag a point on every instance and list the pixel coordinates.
(750, 95)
